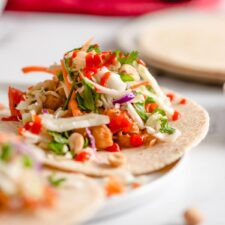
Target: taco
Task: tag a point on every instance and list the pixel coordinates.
(30, 195)
(99, 103)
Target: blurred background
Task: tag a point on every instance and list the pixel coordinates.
(182, 42)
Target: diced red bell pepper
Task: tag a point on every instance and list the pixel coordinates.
(119, 121)
(176, 116)
(35, 126)
(136, 140)
(83, 156)
(114, 148)
(15, 97)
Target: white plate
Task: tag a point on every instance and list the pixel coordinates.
(156, 182)
(127, 39)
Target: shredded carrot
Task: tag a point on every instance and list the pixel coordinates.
(143, 83)
(72, 103)
(114, 186)
(30, 69)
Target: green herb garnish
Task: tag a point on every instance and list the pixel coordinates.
(57, 148)
(95, 48)
(27, 161)
(140, 109)
(87, 99)
(126, 77)
(56, 182)
(86, 142)
(149, 100)
(58, 137)
(60, 76)
(160, 111)
(165, 127)
(6, 152)
(128, 58)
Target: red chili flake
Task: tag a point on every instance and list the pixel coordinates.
(114, 148)
(176, 116)
(21, 130)
(140, 61)
(83, 156)
(183, 101)
(136, 140)
(170, 96)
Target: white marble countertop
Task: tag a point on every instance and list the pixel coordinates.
(41, 39)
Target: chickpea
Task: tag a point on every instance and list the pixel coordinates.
(103, 136)
(52, 102)
(76, 142)
(60, 91)
(48, 85)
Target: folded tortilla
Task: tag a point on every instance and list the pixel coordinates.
(76, 202)
(193, 124)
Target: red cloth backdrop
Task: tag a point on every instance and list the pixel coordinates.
(103, 7)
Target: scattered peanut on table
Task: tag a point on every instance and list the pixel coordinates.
(193, 216)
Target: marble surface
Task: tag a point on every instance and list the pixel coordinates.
(41, 39)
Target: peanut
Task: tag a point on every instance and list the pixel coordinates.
(116, 159)
(76, 142)
(192, 216)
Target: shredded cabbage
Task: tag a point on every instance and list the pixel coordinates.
(66, 124)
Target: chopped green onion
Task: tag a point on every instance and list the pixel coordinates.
(27, 161)
(56, 182)
(126, 77)
(6, 152)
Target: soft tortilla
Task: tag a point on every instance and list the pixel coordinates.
(189, 46)
(75, 203)
(193, 124)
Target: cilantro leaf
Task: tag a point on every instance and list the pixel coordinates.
(140, 109)
(27, 161)
(6, 153)
(95, 48)
(160, 111)
(126, 77)
(128, 58)
(59, 138)
(150, 89)
(56, 182)
(60, 76)
(57, 148)
(165, 127)
(149, 100)
(86, 142)
(87, 99)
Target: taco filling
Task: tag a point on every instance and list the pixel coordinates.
(21, 185)
(95, 100)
